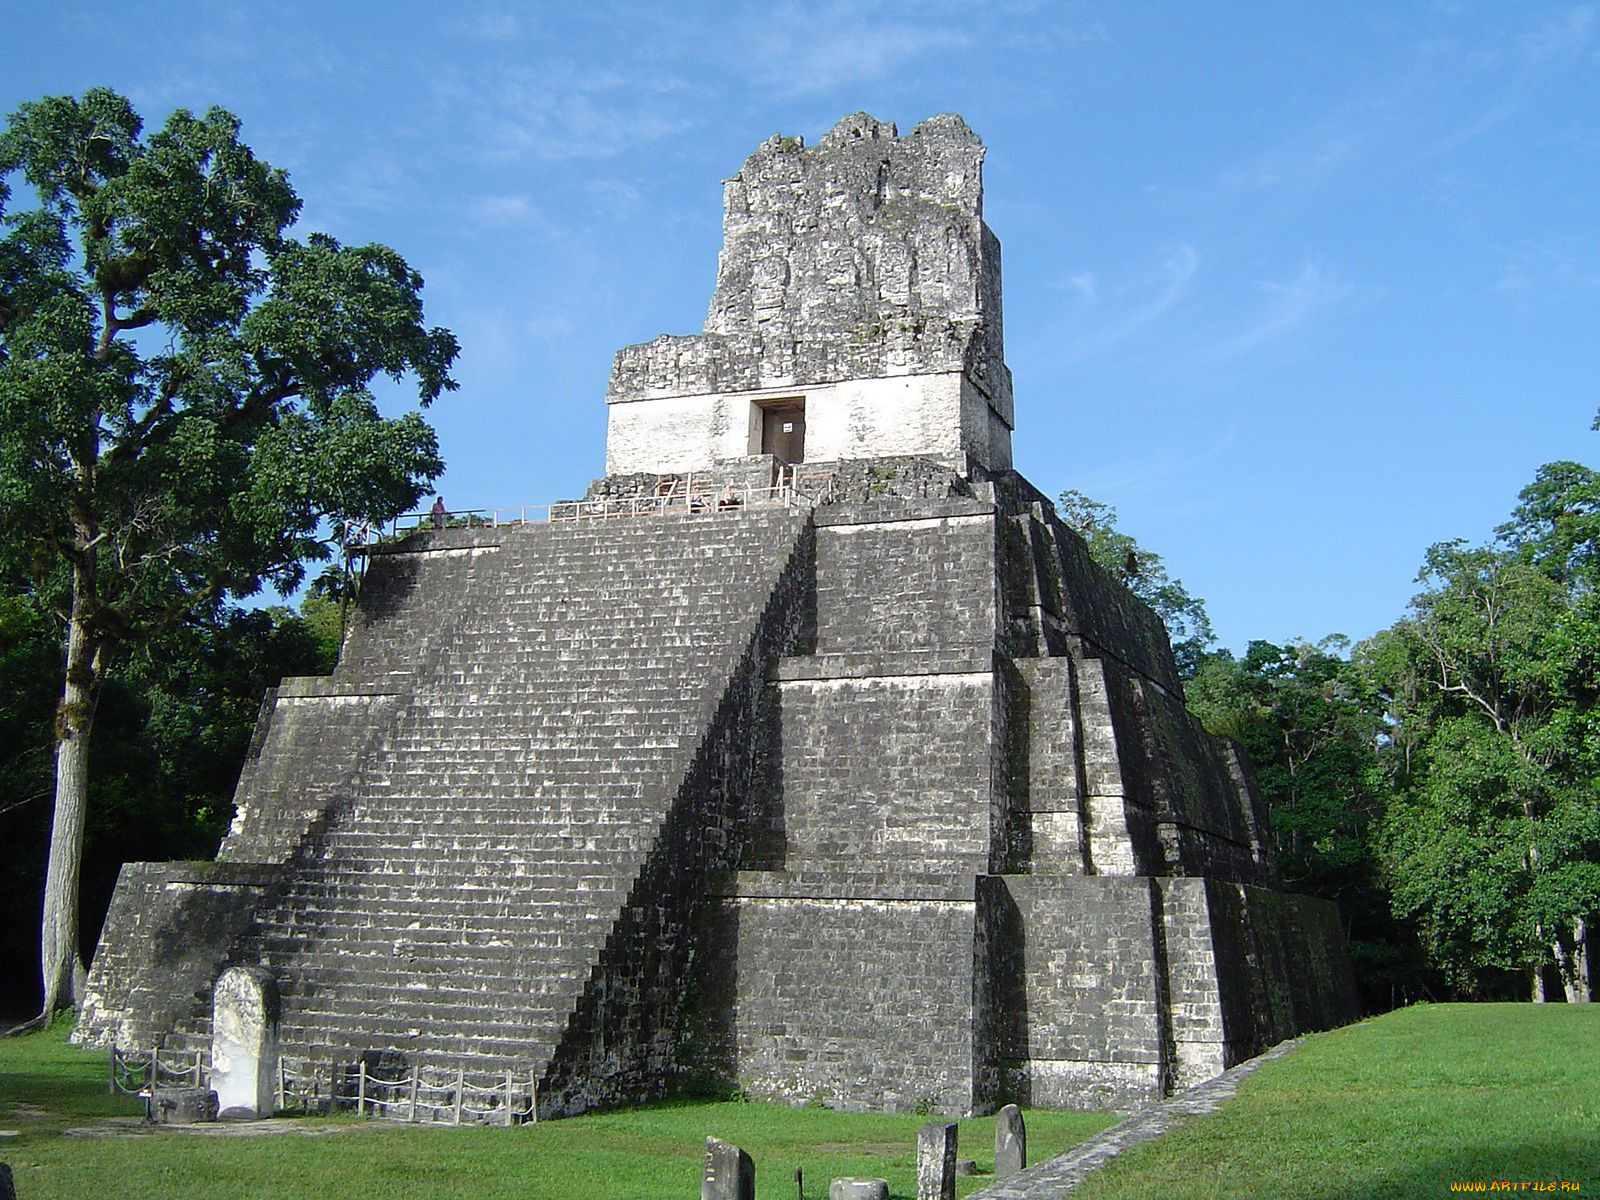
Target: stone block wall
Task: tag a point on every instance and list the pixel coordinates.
(857, 274)
(902, 575)
(1078, 989)
(850, 990)
(165, 939)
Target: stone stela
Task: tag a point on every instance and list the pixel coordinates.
(244, 1042)
(878, 792)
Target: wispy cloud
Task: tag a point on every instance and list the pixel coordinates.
(1534, 272)
(1451, 92)
(488, 24)
(1282, 309)
(796, 50)
(511, 209)
(1541, 55)
(1148, 301)
(552, 113)
(1084, 283)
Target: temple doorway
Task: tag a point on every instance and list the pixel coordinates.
(783, 429)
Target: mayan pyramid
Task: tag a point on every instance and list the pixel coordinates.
(808, 754)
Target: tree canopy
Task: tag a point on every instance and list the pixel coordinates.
(185, 399)
(1494, 676)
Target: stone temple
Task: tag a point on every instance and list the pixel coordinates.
(811, 756)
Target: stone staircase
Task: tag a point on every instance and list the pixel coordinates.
(476, 853)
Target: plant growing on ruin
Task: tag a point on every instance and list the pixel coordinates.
(184, 401)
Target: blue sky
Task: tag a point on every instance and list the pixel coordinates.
(1299, 289)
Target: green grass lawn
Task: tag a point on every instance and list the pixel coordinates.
(649, 1153)
(1399, 1106)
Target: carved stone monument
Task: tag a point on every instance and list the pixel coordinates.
(830, 694)
(847, 1188)
(244, 1042)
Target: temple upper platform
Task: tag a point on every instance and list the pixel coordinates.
(857, 314)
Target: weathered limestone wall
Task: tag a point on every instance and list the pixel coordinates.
(1064, 963)
(1079, 992)
(858, 275)
(850, 989)
(165, 939)
(893, 802)
(939, 416)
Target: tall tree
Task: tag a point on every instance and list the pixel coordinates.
(184, 401)
(1494, 839)
(1144, 573)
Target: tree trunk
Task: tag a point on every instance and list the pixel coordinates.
(1579, 985)
(1538, 983)
(59, 953)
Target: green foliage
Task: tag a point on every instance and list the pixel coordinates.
(184, 385)
(173, 727)
(185, 404)
(1492, 679)
(1143, 573)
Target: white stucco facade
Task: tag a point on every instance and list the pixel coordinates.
(941, 415)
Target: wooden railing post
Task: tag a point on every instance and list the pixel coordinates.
(508, 1098)
(416, 1081)
(533, 1097)
(461, 1083)
(361, 1089)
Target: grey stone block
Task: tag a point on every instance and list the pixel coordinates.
(1010, 1142)
(244, 1042)
(182, 1106)
(848, 1188)
(728, 1173)
(936, 1161)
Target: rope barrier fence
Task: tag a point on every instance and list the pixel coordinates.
(417, 1095)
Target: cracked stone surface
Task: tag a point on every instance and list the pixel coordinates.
(863, 256)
